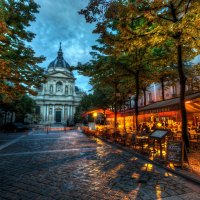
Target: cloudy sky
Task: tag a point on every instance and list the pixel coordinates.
(59, 21)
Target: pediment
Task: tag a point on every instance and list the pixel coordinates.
(61, 75)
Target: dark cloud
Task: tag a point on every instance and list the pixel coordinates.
(59, 21)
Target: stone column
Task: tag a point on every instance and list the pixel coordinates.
(65, 112)
(47, 115)
(62, 114)
(72, 117)
(68, 113)
(44, 109)
(71, 112)
(42, 114)
(53, 114)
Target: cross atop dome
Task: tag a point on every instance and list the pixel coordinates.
(60, 53)
(59, 64)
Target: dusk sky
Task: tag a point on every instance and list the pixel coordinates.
(59, 21)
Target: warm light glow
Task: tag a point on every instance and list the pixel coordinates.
(158, 191)
(149, 167)
(135, 175)
(159, 124)
(94, 114)
(188, 101)
(171, 166)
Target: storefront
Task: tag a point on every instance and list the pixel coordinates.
(168, 112)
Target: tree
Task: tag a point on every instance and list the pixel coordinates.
(20, 73)
(178, 22)
(87, 103)
(21, 107)
(193, 79)
(106, 78)
(25, 105)
(132, 23)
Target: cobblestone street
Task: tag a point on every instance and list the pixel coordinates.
(69, 165)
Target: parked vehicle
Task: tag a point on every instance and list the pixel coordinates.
(14, 127)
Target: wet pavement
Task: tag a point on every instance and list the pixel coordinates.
(69, 165)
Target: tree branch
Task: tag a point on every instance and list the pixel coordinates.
(180, 3)
(165, 18)
(188, 4)
(173, 12)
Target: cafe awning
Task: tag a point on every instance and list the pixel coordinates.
(106, 112)
(192, 105)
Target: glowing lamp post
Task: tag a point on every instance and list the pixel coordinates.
(95, 116)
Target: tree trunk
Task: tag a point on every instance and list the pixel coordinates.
(182, 96)
(115, 111)
(5, 117)
(162, 88)
(11, 118)
(144, 94)
(115, 107)
(136, 99)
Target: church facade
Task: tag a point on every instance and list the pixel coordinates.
(58, 98)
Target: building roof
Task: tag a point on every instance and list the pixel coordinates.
(59, 64)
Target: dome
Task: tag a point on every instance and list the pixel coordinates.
(59, 64)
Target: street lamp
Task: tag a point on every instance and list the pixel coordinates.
(95, 115)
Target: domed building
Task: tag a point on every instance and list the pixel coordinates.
(58, 97)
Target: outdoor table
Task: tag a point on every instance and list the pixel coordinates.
(159, 135)
(128, 138)
(142, 139)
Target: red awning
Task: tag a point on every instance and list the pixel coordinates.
(107, 112)
(192, 105)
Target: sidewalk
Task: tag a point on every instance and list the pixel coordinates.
(194, 164)
(190, 172)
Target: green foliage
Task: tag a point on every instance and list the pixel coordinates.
(21, 107)
(87, 103)
(19, 72)
(166, 32)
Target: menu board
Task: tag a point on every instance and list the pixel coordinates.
(159, 133)
(175, 152)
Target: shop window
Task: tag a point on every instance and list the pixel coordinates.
(150, 97)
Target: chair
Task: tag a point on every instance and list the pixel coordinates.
(192, 134)
(194, 141)
(177, 136)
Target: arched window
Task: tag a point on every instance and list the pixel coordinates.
(51, 89)
(59, 87)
